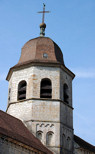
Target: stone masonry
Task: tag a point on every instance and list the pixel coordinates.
(45, 115)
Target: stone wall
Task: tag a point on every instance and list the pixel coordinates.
(44, 115)
(81, 150)
(65, 79)
(7, 147)
(33, 77)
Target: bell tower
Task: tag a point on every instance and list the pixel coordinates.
(40, 94)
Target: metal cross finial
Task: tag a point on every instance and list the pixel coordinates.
(43, 17)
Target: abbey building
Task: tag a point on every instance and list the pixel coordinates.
(40, 108)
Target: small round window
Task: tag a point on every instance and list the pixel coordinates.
(45, 55)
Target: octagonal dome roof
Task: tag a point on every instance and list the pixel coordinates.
(41, 49)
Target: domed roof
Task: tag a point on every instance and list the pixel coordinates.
(41, 49)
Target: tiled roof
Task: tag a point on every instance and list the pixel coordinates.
(15, 129)
(84, 144)
(34, 49)
(41, 51)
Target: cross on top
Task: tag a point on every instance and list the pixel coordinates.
(43, 17)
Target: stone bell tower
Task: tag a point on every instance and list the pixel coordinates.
(40, 93)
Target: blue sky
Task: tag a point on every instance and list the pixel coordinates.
(71, 24)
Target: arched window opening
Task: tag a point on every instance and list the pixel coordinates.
(66, 93)
(39, 135)
(9, 94)
(68, 139)
(49, 138)
(69, 142)
(63, 139)
(22, 90)
(46, 88)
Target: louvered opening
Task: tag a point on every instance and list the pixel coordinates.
(22, 90)
(66, 94)
(46, 89)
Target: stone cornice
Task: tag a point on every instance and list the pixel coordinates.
(40, 99)
(49, 121)
(36, 63)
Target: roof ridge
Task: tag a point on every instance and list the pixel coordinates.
(84, 143)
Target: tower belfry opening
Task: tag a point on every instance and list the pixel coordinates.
(22, 90)
(46, 89)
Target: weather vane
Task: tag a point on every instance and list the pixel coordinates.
(43, 17)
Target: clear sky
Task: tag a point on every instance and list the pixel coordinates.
(71, 24)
